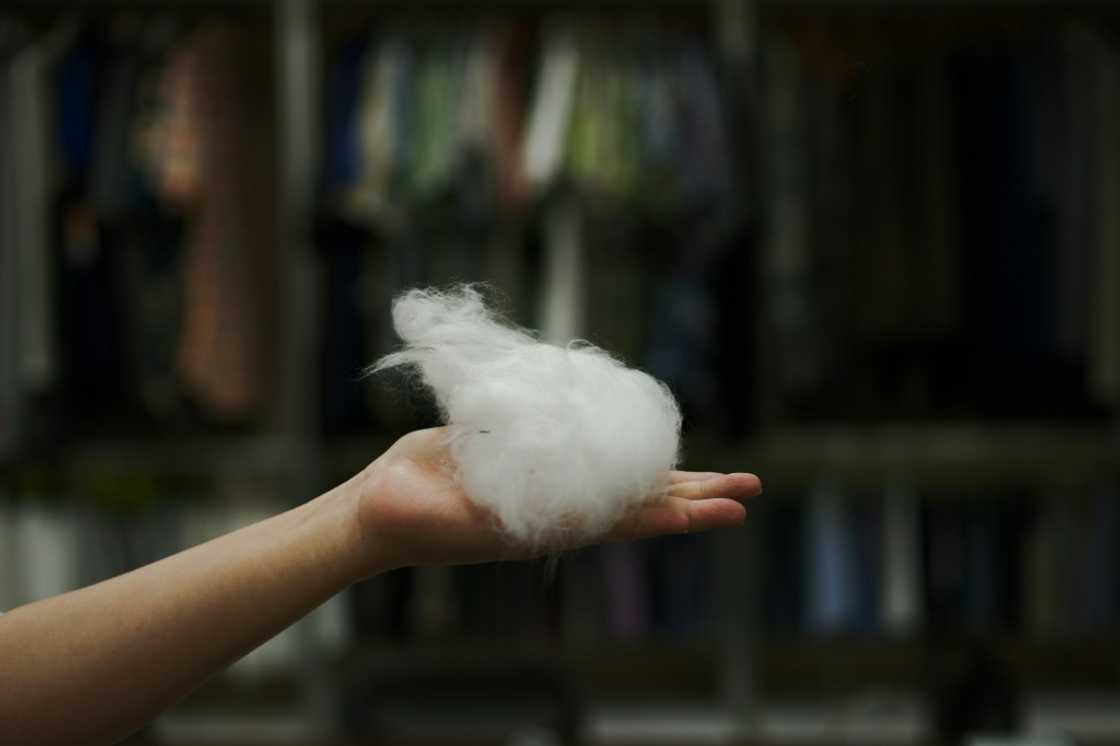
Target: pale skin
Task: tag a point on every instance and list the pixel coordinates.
(95, 664)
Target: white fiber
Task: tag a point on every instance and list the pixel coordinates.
(558, 442)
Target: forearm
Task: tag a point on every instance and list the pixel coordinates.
(97, 663)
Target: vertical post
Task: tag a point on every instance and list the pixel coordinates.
(297, 110)
(901, 610)
(296, 36)
(563, 300)
(10, 400)
(562, 311)
(738, 581)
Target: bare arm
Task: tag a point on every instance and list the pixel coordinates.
(95, 664)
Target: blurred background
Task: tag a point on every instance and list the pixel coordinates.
(873, 247)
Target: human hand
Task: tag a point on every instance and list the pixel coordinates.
(412, 511)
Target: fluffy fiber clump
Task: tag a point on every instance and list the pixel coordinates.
(559, 442)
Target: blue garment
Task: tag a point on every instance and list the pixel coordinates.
(831, 585)
(343, 146)
(76, 95)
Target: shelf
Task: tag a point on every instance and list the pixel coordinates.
(795, 667)
(934, 5)
(969, 456)
(205, 457)
(828, 667)
(606, 672)
(935, 455)
(972, 457)
(255, 456)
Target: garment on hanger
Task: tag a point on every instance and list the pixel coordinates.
(223, 354)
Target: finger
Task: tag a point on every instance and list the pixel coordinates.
(680, 516)
(729, 486)
(675, 477)
(715, 513)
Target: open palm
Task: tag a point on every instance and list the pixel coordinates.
(413, 511)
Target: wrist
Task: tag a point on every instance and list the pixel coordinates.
(346, 552)
(370, 545)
